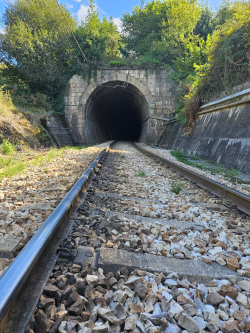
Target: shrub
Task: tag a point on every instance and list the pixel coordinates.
(227, 65)
(7, 147)
(41, 101)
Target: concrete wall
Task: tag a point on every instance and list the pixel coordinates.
(59, 131)
(152, 84)
(222, 133)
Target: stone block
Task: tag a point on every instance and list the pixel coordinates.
(195, 270)
(8, 244)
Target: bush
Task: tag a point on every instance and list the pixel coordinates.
(41, 101)
(7, 147)
(227, 65)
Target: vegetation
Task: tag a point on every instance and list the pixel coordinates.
(7, 147)
(141, 174)
(34, 47)
(204, 51)
(39, 54)
(12, 165)
(225, 61)
(229, 174)
(176, 187)
(164, 27)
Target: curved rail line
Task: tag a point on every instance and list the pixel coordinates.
(241, 200)
(20, 271)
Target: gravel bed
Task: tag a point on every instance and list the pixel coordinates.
(224, 237)
(219, 178)
(27, 199)
(80, 299)
(87, 301)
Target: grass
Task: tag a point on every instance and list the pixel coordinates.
(12, 166)
(6, 104)
(231, 172)
(176, 187)
(123, 156)
(12, 170)
(227, 173)
(5, 161)
(178, 155)
(7, 147)
(76, 147)
(141, 174)
(197, 165)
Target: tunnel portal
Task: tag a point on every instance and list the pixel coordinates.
(95, 111)
(116, 110)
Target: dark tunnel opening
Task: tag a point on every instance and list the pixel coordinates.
(116, 111)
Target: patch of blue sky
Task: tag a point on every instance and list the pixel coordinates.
(114, 8)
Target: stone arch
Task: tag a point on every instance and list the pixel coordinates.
(137, 96)
(150, 84)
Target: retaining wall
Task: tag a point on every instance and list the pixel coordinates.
(222, 133)
(58, 129)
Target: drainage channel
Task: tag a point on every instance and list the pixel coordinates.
(141, 256)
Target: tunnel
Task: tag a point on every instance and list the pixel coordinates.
(116, 111)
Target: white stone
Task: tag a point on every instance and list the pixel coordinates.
(92, 279)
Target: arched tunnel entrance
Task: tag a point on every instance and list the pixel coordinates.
(116, 111)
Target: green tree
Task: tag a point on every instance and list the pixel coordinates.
(34, 47)
(224, 13)
(164, 28)
(206, 23)
(98, 38)
(227, 64)
(229, 55)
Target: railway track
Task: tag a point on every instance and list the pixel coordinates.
(133, 247)
(237, 198)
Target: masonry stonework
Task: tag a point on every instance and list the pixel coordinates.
(158, 93)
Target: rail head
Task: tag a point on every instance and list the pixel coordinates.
(13, 279)
(240, 199)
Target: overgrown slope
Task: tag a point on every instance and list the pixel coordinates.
(21, 126)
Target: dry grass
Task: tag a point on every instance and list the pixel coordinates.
(12, 119)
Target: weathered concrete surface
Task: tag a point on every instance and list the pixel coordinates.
(221, 136)
(85, 256)
(144, 87)
(152, 221)
(194, 270)
(35, 206)
(8, 245)
(58, 129)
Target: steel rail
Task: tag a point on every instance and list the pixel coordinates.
(18, 272)
(241, 200)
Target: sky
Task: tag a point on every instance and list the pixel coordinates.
(114, 8)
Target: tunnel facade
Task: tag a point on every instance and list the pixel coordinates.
(120, 104)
